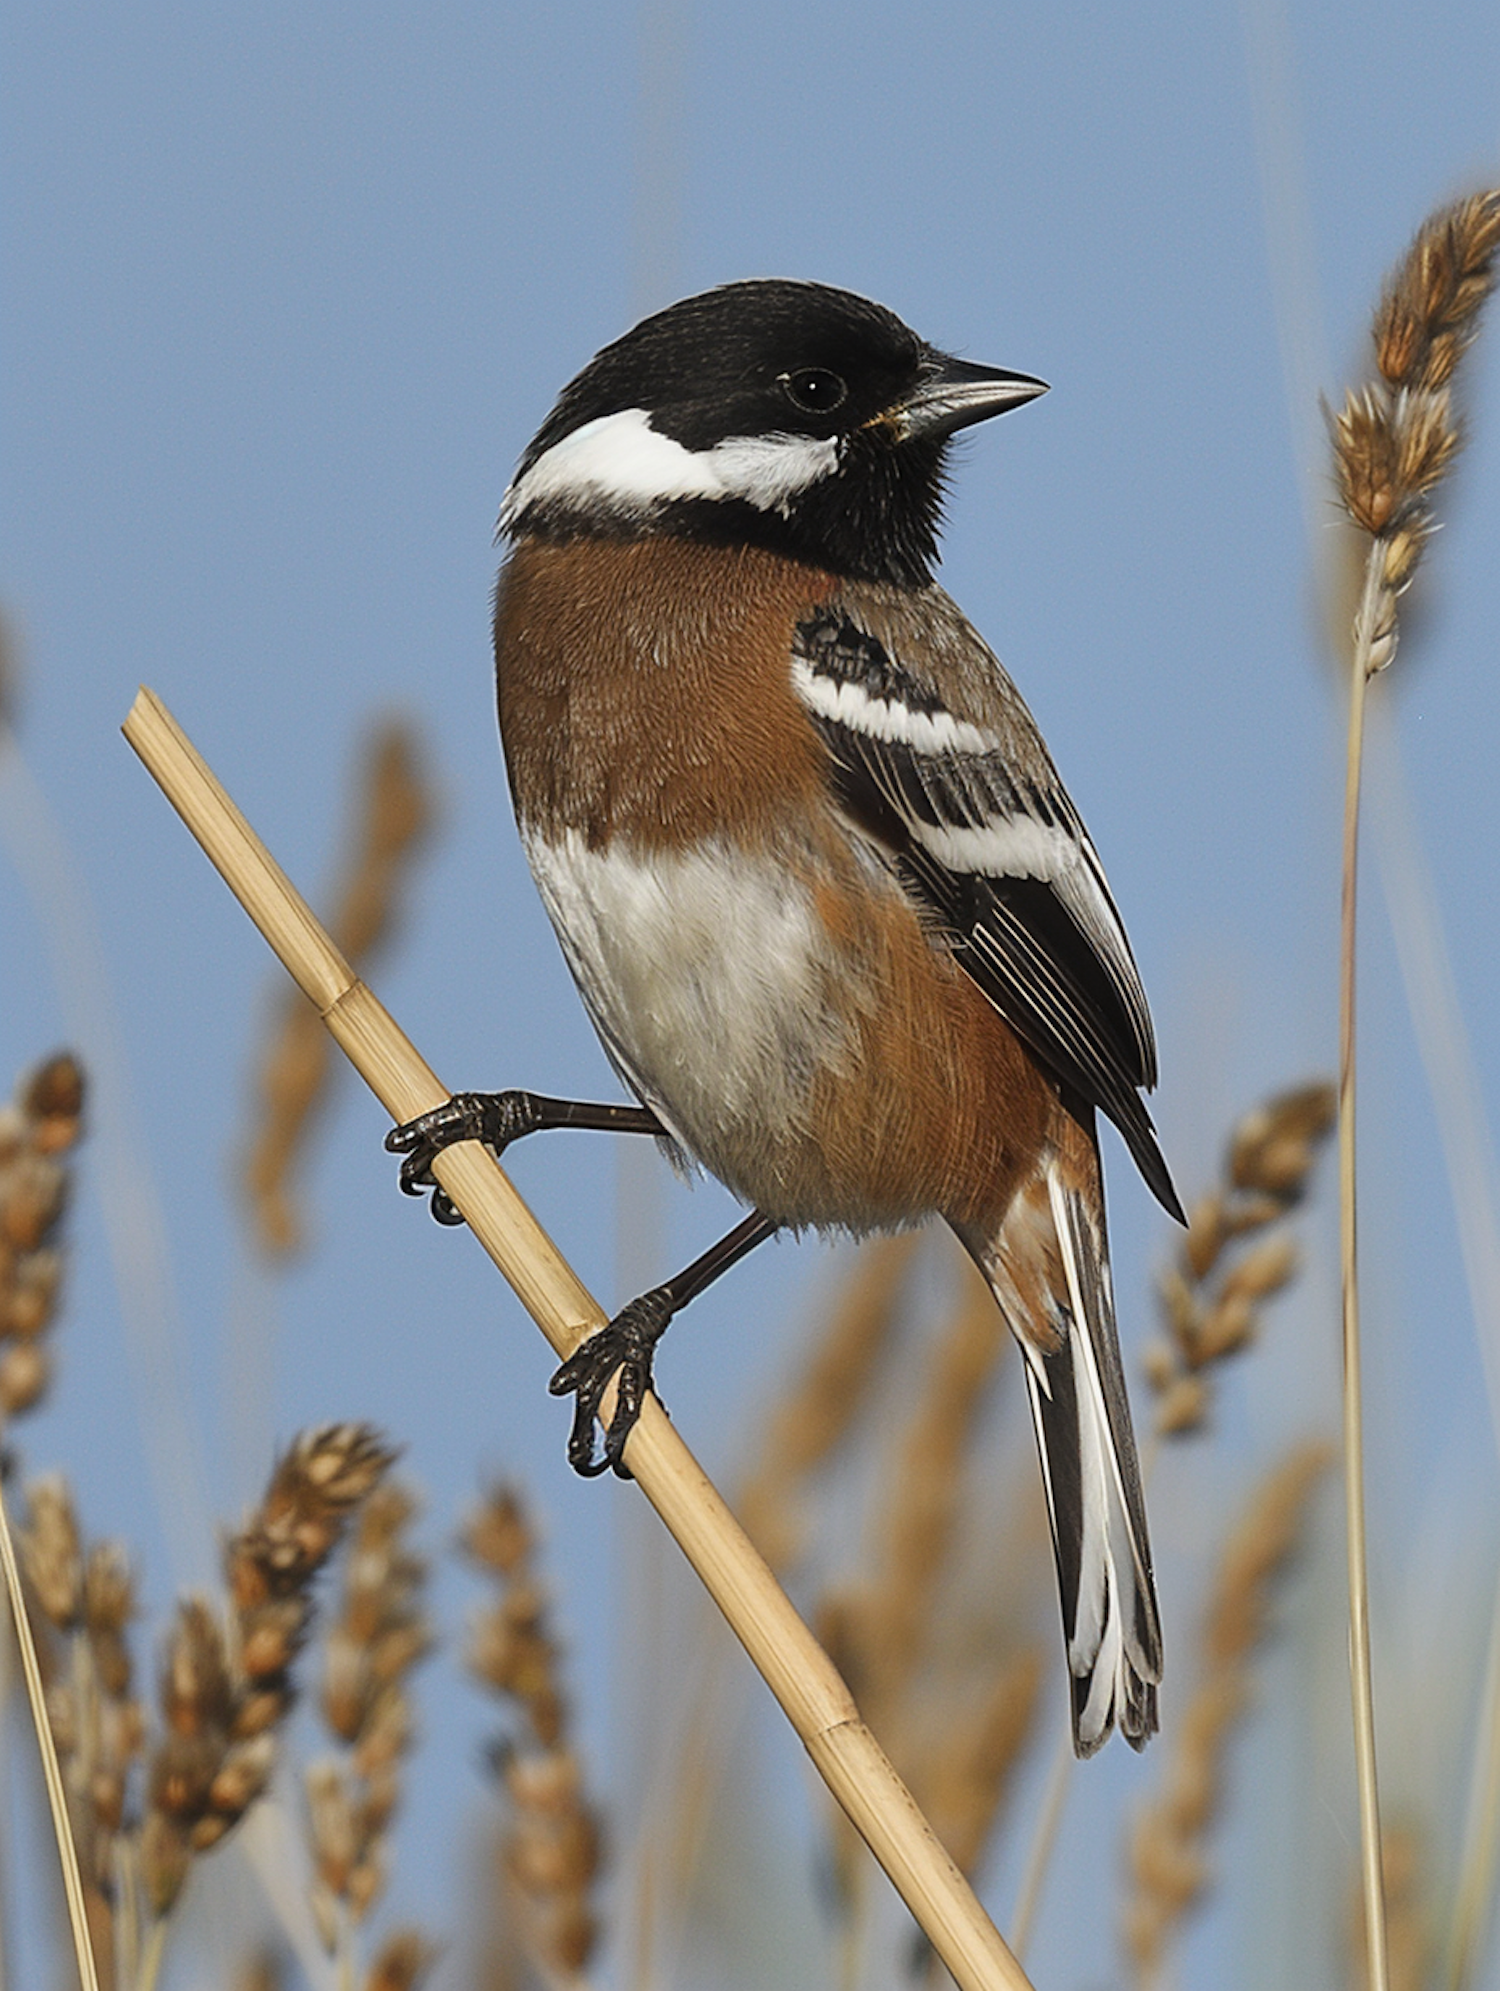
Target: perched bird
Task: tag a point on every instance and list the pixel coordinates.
(839, 926)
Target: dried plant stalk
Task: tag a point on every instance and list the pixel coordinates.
(1393, 442)
(224, 1691)
(809, 1690)
(1211, 1294)
(57, 1804)
(378, 1634)
(1168, 1846)
(395, 812)
(552, 1850)
(37, 1132)
(1410, 1946)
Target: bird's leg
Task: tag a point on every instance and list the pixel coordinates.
(497, 1119)
(625, 1349)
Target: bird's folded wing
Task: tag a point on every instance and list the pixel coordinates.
(934, 756)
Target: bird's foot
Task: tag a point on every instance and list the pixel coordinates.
(623, 1352)
(496, 1118)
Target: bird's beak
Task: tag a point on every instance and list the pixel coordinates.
(953, 393)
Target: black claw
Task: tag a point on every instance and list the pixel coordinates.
(444, 1209)
(622, 1352)
(494, 1118)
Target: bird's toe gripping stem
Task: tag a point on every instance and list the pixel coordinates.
(496, 1118)
(622, 1352)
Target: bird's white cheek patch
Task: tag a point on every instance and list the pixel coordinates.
(704, 974)
(621, 463)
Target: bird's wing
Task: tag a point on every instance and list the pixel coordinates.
(934, 756)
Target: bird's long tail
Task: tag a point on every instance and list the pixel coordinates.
(1049, 1270)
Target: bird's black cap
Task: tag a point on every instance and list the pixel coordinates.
(812, 419)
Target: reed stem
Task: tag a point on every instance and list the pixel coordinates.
(1361, 1693)
(67, 1850)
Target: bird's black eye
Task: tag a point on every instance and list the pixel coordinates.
(814, 389)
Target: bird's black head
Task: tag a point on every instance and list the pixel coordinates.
(789, 415)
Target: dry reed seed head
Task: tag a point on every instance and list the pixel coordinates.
(1427, 440)
(1364, 457)
(36, 1131)
(1229, 1327)
(271, 1636)
(165, 1856)
(498, 1533)
(1182, 1406)
(1207, 1233)
(197, 1691)
(318, 1481)
(401, 1962)
(1265, 1269)
(555, 1844)
(332, 1825)
(1430, 307)
(52, 1100)
(28, 1296)
(1273, 1148)
(51, 1552)
(1181, 1311)
(108, 1607)
(242, 1775)
(25, 1371)
(394, 811)
(386, 1736)
(33, 1188)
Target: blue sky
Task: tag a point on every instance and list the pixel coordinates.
(287, 290)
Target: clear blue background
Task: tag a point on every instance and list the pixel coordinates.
(287, 290)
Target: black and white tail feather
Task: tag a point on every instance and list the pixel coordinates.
(1093, 1486)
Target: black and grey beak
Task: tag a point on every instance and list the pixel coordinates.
(953, 393)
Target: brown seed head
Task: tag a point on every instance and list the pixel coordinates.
(108, 1607)
(196, 1694)
(394, 811)
(1430, 308)
(1273, 1148)
(52, 1099)
(51, 1553)
(25, 1370)
(401, 1962)
(497, 1533)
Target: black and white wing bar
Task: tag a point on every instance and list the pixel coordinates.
(999, 853)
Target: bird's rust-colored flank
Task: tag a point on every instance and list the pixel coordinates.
(644, 692)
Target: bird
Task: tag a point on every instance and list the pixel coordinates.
(841, 930)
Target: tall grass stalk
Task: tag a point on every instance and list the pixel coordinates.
(67, 1849)
(1362, 1699)
(1394, 440)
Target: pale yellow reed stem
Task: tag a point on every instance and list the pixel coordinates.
(795, 1667)
(1361, 1694)
(67, 1851)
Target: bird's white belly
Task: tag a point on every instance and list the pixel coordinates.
(706, 974)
